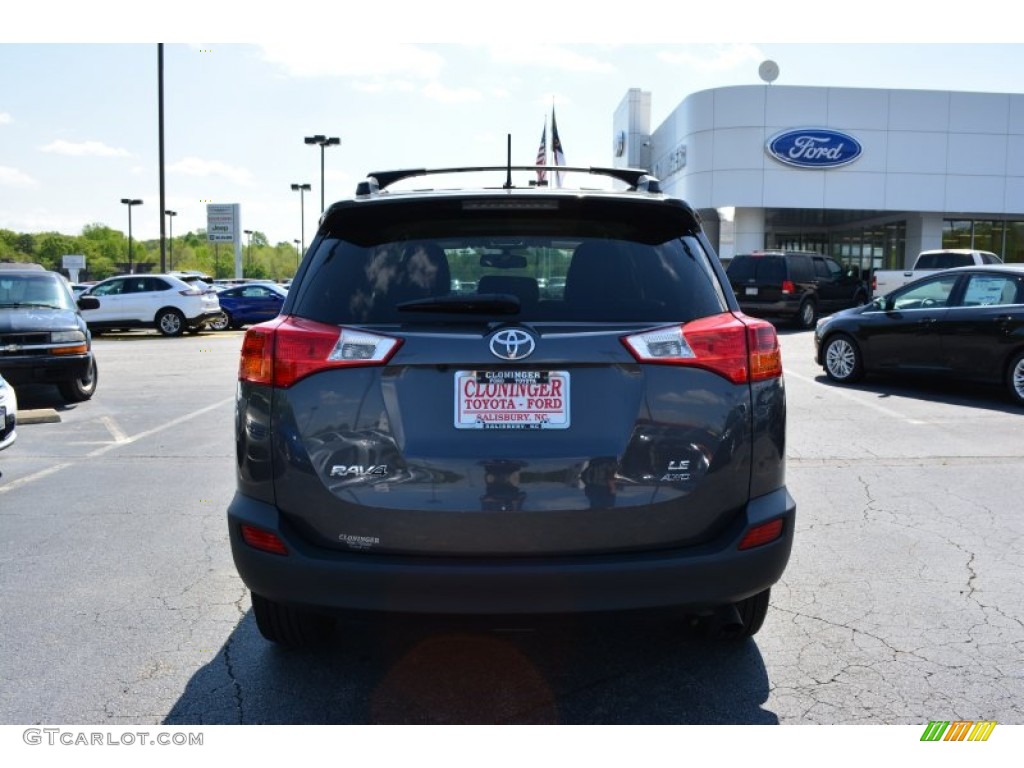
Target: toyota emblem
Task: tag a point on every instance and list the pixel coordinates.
(512, 344)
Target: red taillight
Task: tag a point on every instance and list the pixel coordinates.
(264, 541)
(286, 349)
(788, 287)
(762, 534)
(874, 283)
(765, 354)
(741, 349)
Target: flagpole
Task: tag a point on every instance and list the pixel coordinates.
(542, 154)
(557, 154)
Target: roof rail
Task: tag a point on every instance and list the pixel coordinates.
(638, 179)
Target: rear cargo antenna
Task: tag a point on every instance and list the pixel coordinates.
(508, 178)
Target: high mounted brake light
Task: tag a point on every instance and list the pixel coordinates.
(287, 349)
(740, 348)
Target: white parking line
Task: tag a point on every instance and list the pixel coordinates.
(859, 399)
(123, 440)
(113, 429)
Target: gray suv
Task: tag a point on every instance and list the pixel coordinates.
(511, 401)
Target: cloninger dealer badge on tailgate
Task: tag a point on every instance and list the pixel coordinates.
(511, 399)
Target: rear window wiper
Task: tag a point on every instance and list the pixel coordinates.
(476, 304)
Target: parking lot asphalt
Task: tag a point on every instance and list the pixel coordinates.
(901, 604)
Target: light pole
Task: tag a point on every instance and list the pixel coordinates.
(248, 249)
(130, 202)
(298, 254)
(170, 240)
(323, 142)
(302, 189)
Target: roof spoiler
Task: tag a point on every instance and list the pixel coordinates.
(637, 179)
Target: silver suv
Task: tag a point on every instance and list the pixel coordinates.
(423, 430)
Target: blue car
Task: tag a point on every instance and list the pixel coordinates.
(247, 305)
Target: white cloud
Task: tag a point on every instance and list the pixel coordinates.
(354, 60)
(548, 57)
(84, 149)
(444, 95)
(12, 177)
(714, 59)
(5, 118)
(194, 166)
(383, 86)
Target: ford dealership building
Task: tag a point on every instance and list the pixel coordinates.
(868, 176)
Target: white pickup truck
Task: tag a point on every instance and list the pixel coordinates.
(886, 281)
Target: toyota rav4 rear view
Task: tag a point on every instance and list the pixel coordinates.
(510, 401)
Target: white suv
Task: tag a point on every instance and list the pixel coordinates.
(164, 302)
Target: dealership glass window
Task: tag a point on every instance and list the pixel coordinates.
(1003, 238)
(988, 236)
(1014, 242)
(956, 233)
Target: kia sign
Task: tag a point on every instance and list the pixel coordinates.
(814, 148)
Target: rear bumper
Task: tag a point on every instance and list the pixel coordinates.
(787, 309)
(693, 579)
(203, 318)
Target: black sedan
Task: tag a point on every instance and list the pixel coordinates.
(966, 323)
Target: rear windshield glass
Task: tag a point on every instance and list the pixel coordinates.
(759, 269)
(468, 270)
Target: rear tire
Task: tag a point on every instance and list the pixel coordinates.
(1015, 378)
(288, 626)
(170, 322)
(842, 359)
(82, 388)
(808, 314)
(752, 613)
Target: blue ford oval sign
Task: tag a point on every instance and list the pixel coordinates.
(814, 148)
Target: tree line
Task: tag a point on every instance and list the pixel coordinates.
(106, 253)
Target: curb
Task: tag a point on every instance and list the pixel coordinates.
(38, 416)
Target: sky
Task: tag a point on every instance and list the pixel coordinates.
(406, 85)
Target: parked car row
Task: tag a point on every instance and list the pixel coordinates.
(47, 323)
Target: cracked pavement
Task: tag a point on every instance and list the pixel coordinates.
(121, 605)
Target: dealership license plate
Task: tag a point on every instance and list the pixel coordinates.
(511, 399)
(750, 291)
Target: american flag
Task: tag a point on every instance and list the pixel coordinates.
(556, 148)
(542, 156)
